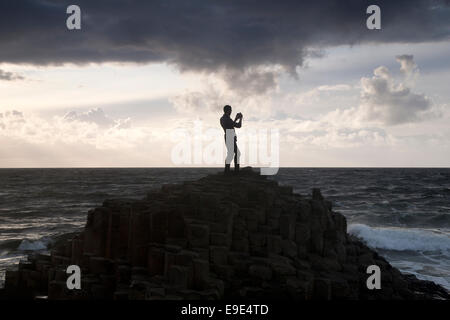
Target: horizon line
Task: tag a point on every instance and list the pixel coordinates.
(281, 167)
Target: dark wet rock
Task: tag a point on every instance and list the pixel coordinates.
(240, 236)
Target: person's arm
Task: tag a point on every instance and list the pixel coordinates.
(238, 122)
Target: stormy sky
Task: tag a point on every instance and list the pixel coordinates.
(114, 91)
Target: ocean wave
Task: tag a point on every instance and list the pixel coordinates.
(14, 245)
(33, 245)
(400, 239)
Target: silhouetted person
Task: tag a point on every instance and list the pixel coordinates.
(228, 126)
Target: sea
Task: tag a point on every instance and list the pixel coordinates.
(402, 213)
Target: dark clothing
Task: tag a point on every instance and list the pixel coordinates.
(227, 123)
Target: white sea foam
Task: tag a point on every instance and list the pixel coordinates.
(32, 245)
(401, 239)
(429, 250)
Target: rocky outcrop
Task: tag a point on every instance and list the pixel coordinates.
(242, 237)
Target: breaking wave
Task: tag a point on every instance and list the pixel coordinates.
(33, 245)
(400, 239)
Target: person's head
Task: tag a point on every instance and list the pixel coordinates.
(227, 109)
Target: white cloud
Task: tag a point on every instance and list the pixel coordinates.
(10, 76)
(408, 67)
(336, 87)
(327, 133)
(31, 140)
(390, 103)
(387, 102)
(252, 81)
(208, 102)
(97, 116)
(316, 98)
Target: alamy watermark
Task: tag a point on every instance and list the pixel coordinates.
(200, 146)
(373, 22)
(74, 280)
(374, 280)
(73, 22)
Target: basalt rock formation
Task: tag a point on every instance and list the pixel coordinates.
(240, 237)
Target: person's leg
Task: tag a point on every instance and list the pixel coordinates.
(229, 138)
(237, 156)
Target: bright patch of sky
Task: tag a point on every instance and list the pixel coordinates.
(343, 110)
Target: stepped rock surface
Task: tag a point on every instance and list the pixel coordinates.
(220, 237)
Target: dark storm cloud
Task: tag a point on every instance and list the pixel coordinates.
(207, 35)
